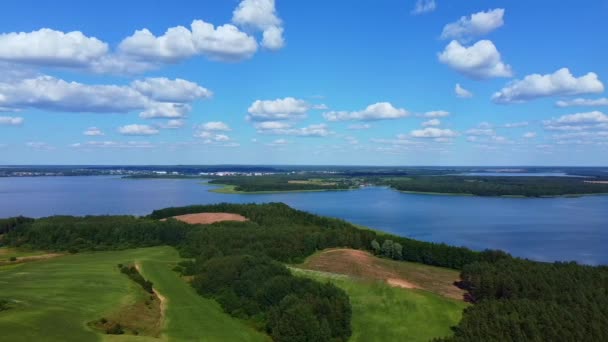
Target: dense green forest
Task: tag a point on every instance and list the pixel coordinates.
(497, 186)
(239, 265)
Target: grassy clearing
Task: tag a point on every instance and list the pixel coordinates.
(54, 299)
(385, 313)
(7, 252)
(363, 265)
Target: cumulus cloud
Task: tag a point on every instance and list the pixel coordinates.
(462, 92)
(113, 144)
(432, 132)
(580, 102)
(516, 124)
(172, 124)
(529, 135)
(424, 6)
(49, 93)
(436, 114)
(594, 117)
(39, 145)
(476, 24)
(284, 128)
(135, 129)
(481, 132)
(223, 43)
(561, 82)
(11, 120)
(47, 47)
(278, 143)
(478, 61)
(261, 15)
(432, 122)
(376, 111)
(93, 131)
(288, 108)
(166, 90)
(215, 126)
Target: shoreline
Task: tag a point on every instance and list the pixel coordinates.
(229, 189)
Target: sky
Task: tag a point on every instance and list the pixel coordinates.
(369, 82)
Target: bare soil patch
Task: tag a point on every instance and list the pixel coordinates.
(363, 265)
(208, 218)
(30, 258)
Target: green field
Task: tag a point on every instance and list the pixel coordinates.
(385, 313)
(54, 299)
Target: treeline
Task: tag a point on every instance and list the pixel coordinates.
(290, 235)
(8, 224)
(497, 186)
(521, 300)
(280, 183)
(95, 233)
(133, 274)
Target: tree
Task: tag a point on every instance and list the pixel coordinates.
(375, 246)
(397, 251)
(387, 248)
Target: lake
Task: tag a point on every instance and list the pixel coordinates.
(544, 229)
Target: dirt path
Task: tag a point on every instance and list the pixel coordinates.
(161, 298)
(30, 258)
(208, 218)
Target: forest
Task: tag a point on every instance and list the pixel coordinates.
(240, 264)
(283, 183)
(497, 186)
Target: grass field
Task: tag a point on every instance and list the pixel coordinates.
(385, 313)
(54, 299)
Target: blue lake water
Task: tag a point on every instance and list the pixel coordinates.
(545, 229)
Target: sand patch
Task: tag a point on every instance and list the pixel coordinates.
(208, 218)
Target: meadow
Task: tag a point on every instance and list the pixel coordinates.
(385, 313)
(55, 299)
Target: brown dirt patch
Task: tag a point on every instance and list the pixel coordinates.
(208, 218)
(358, 264)
(408, 275)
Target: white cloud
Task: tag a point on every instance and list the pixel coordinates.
(436, 114)
(280, 109)
(561, 82)
(113, 144)
(11, 120)
(52, 94)
(215, 126)
(376, 111)
(48, 47)
(481, 132)
(93, 131)
(137, 130)
(165, 110)
(529, 135)
(278, 143)
(594, 117)
(261, 15)
(424, 6)
(580, 102)
(173, 124)
(477, 24)
(223, 43)
(283, 128)
(479, 61)
(432, 122)
(432, 132)
(321, 106)
(355, 127)
(516, 124)
(165, 90)
(462, 92)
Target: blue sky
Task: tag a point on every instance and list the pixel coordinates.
(304, 82)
